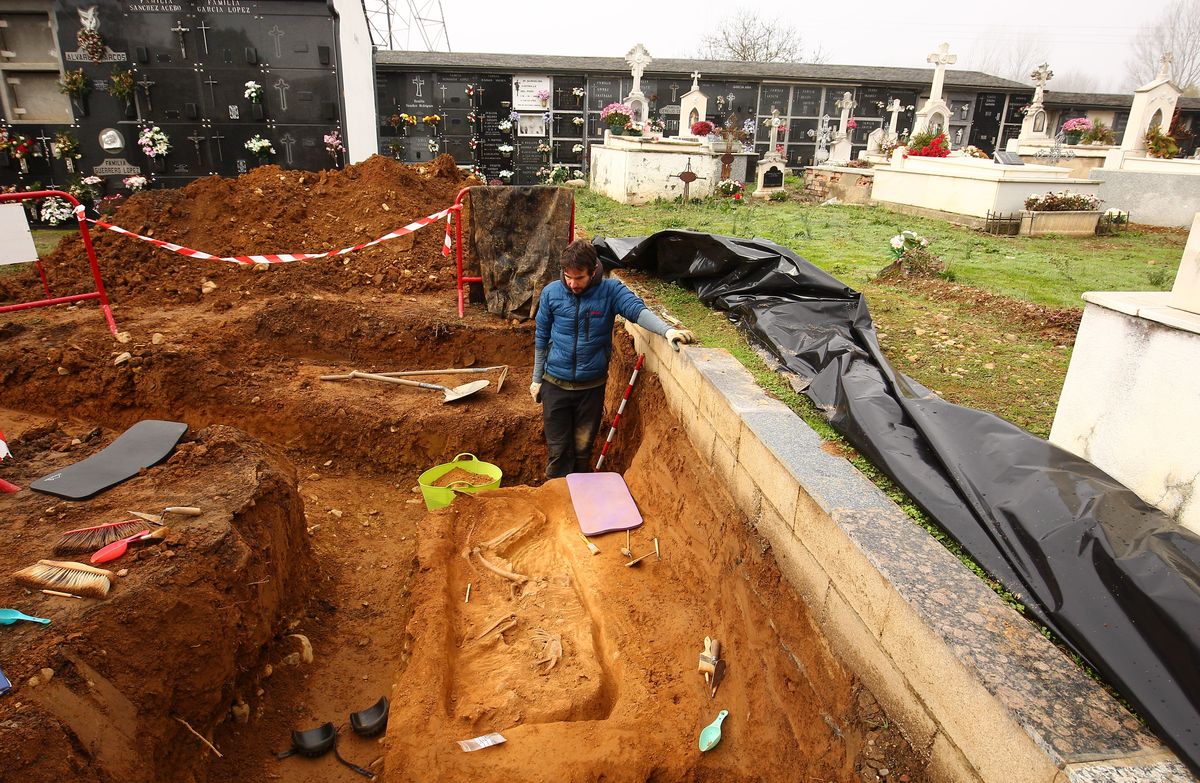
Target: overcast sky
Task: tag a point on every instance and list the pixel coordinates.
(1083, 41)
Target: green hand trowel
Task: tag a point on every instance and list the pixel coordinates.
(710, 735)
(10, 616)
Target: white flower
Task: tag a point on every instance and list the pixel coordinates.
(577, 92)
(577, 173)
(897, 242)
(505, 149)
(505, 174)
(504, 125)
(577, 148)
(577, 120)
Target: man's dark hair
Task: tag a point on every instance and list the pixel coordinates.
(579, 255)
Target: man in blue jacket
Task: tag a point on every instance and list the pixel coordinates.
(571, 352)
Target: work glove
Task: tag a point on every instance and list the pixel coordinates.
(677, 337)
(535, 391)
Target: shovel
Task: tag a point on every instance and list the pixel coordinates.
(451, 394)
(10, 616)
(711, 734)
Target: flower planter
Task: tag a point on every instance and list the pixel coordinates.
(1069, 224)
(1074, 137)
(257, 111)
(617, 130)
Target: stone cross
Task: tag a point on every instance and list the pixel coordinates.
(179, 30)
(559, 91)
(674, 92)
(895, 107)
(276, 33)
(845, 103)
(940, 59)
(1164, 71)
(774, 130)
(212, 95)
(287, 141)
(417, 80)
(638, 58)
(1040, 76)
(695, 80)
(283, 87)
(443, 88)
(217, 138)
(204, 28)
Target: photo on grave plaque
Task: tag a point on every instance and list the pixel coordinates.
(531, 124)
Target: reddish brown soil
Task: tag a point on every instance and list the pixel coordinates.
(340, 547)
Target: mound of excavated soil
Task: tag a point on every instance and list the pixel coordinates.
(179, 638)
(268, 210)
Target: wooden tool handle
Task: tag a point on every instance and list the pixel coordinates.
(372, 376)
(187, 511)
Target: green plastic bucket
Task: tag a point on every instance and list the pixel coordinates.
(439, 497)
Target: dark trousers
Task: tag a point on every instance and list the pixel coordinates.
(571, 419)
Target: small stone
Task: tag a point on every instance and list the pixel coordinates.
(256, 400)
(291, 660)
(328, 462)
(268, 670)
(208, 287)
(337, 512)
(157, 338)
(34, 682)
(123, 572)
(76, 442)
(169, 553)
(412, 502)
(313, 477)
(123, 358)
(123, 337)
(63, 371)
(417, 489)
(884, 772)
(47, 674)
(241, 711)
(264, 266)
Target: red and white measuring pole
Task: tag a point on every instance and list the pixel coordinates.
(612, 432)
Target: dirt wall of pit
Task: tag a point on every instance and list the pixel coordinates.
(971, 684)
(179, 638)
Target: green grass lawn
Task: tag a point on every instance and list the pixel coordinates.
(44, 240)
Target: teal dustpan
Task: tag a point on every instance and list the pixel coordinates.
(710, 735)
(10, 616)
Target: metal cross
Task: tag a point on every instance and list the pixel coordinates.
(204, 28)
(212, 95)
(283, 87)
(179, 30)
(417, 80)
(1054, 155)
(276, 33)
(287, 141)
(687, 176)
(196, 138)
(674, 92)
(443, 88)
(45, 140)
(217, 138)
(146, 84)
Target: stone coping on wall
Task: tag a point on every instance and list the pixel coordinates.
(1151, 305)
(969, 681)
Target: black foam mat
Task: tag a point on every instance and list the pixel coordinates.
(142, 445)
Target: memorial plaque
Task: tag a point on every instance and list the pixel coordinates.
(170, 90)
(1015, 103)
(774, 96)
(745, 99)
(1004, 158)
(451, 95)
(800, 155)
(960, 109)
(1120, 120)
(564, 96)
(527, 155)
(602, 92)
(525, 87)
(806, 102)
(596, 128)
(459, 150)
(797, 130)
(565, 127)
(291, 40)
(418, 93)
(494, 93)
(773, 177)
(864, 129)
(650, 90)
(115, 167)
(869, 100)
(455, 123)
(564, 152)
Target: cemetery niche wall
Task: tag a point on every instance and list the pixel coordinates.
(181, 67)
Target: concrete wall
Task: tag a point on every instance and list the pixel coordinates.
(1153, 199)
(1131, 402)
(849, 186)
(357, 60)
(971, 684)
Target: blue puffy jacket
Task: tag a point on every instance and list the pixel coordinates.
(578, 329)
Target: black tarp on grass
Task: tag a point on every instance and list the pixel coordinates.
(1112, 576)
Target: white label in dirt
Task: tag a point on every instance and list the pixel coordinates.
(479, 743)
(18, 244)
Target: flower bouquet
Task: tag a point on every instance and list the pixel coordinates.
(91, 43)
(1075, 128)
(543, 96)
(578, 92)
(154, 142)
(505, 175)
(121, 84)
(135, 182)
(259, 147)
(1062, 201)
(433, 146)
(253, 92)
(56, 210)
(76, 84)
(66, 148)
(701, 128)
(616, 116)
(504, 126)
(730, 187)
(431, 119)
(334, 145)
(506, 150)
(912, 257)
(926, 145)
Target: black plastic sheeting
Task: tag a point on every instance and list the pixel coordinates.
(1110, 575)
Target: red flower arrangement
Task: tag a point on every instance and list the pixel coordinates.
(924, 147)
(702, 128)
(851, 124)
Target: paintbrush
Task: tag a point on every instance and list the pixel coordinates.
(157, 519)
(75, 578)
(595, 550)
(89, 539)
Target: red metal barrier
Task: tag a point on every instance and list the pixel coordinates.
(91, 254)
(456, 212)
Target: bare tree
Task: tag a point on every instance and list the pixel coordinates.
(1001, 56)
(1076, 81)
(747, 37)
(1176, 30)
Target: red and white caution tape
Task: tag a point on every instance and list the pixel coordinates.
(281, 258)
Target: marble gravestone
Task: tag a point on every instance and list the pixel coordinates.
(773, 165)
(934, 115)
(692, 107)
